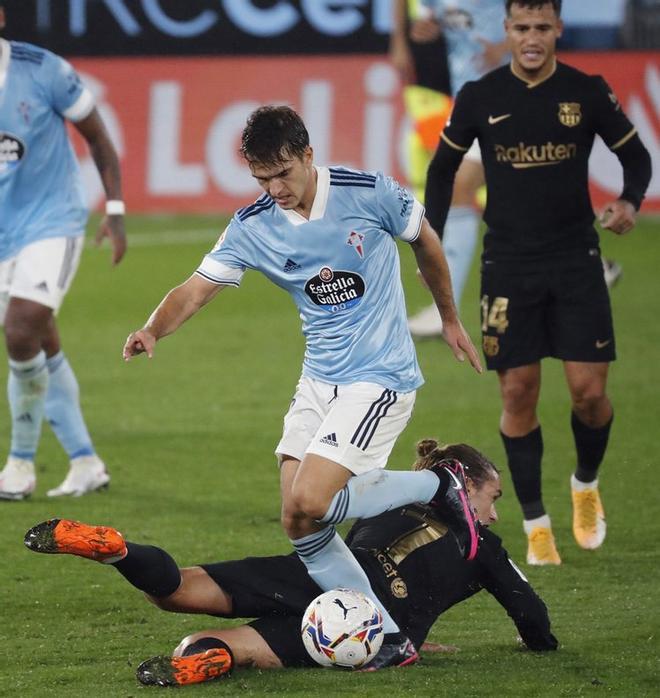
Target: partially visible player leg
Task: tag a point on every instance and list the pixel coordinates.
(328, 430)
(587, 344)
(87, 471)
(591, 420)
(523, 443)
(35, 283)
(459, 238)
(364, 423)
(147, 567)
(443, 487)
(62, 407)
(211, 654)
(328, 560)
(247, 645)
(25, 323)
(325, 555)
(612, 272)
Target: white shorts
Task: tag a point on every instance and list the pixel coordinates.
(474, 152)
(41, 272)
(354, 425)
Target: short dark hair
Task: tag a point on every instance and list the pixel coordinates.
(556, 4)
(477, 467)
(272, 134)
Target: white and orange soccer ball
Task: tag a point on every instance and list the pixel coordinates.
(342, 627)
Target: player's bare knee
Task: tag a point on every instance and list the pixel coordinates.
(23, 343)
(519, 397)
(592, 408)
(298, 525)
(310, 503)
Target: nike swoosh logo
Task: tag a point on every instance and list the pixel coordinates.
(601, 344)
(496, 119)
(458, 485)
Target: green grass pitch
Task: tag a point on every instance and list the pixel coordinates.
(188, 439)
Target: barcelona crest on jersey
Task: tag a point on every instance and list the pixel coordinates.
(570, 113)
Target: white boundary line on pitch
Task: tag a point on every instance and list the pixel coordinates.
(169, 237)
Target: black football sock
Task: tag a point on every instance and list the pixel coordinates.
(524, 454)
(208, 643)
(590, 445)
(150, 569)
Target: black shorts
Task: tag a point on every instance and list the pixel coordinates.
(560, 308)
(275, 590)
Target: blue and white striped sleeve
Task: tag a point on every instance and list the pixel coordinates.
(225, 263)
(400, 212)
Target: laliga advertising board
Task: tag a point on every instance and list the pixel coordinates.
(177, 122)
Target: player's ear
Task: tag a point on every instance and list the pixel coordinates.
(2, 17)
(308, 156)
(560, 27)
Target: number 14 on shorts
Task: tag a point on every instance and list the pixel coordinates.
(494, 314)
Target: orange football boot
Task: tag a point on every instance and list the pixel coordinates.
(181, 671)
(100, 543)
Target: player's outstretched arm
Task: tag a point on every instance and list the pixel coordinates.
(501, 578)
(105, 158)
(433, 268)
(181, 303)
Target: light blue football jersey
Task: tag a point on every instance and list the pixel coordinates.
(41, 193)
(465, 23)
(341, 268)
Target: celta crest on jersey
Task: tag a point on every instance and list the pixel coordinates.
(355, 241)
(335, 290)
(12, 150)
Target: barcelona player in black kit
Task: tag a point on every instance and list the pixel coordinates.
(542, 288)
(413, 563)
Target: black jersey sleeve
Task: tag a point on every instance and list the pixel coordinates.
(637, 170)
(440, 184)
(621, 137)
(461, 128)
(500, 577)
(611, 122)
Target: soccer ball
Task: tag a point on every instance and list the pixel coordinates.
(342, 627)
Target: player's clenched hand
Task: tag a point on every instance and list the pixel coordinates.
(460, 343)
(112, 227)
(618, 216)
(140, 342)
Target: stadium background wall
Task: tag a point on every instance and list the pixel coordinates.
(197, 27)
(177, 121)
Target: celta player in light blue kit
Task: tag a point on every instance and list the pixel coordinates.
(327, 236)
(42, 223)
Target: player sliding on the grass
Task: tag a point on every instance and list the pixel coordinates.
(416, 570)
(327, 235)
